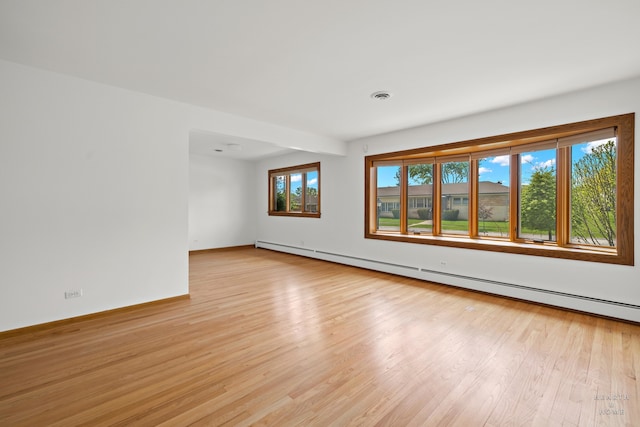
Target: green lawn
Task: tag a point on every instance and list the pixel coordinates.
(488, 228)
(492, 227)
(495, 226)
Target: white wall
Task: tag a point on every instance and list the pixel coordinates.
(94, 197)
(341, 228)
(94, 194)
(222, 202)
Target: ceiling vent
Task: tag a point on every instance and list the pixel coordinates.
(381, 95)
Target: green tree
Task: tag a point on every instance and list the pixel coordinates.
(281, 196)
(281, 202)
(455, 172)
(452, 172)
(311, 191)
(295, 199)
(538, 201)
(421, 173)
(593, 196)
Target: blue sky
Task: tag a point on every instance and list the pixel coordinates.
(312, 180)
(496, 169)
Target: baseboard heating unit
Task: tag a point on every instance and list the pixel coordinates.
(583, 303)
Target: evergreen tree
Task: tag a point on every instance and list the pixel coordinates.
(538, 201)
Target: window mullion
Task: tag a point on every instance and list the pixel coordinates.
(272, 192)
(514, 197)
(404, 199)
(373, 202)
(563, 204)
(436, 214)
(303, 196)
(288, 193)
(473, 198)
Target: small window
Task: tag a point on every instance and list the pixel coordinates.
(537, 194)
(295, 191)
(311, 192)
(593, 191)
(493, 194)
(454, 196)
(420, 193)
(388, 197)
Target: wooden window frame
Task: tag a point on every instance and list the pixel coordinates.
(622, 254)
(288, 171)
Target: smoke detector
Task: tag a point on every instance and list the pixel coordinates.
(381, 95)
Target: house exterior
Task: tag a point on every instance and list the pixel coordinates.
(494, 196)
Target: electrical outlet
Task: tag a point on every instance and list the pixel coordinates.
(73, 293)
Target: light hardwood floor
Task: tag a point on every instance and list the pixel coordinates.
(276, 340)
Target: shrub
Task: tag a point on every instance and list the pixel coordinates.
(396, 213)
(424, 213)
(450, 215)
(281, 202)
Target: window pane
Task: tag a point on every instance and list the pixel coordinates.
(593, 193)
(280, 193)
(388, 198)
(420, 198)
(493, 196)
(537, 189)
(455, 198)
(295, 198)
(311, 198)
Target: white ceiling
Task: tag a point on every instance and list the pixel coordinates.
(228, 146)
(311, 65)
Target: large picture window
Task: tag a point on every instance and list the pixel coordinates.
(295, 191)
(564, 191)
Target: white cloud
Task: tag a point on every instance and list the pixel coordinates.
(593, 144)
(501, 160)
(527, 158)
(296, 178)
(313, 181)
(482, 170)
(545, 165)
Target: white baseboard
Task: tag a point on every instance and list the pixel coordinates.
(586, 304)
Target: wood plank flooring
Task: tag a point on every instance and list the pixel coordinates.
(272, 339)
